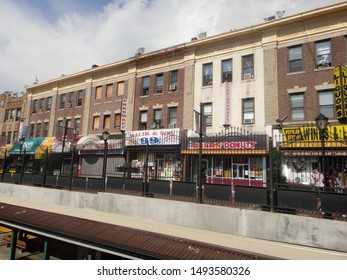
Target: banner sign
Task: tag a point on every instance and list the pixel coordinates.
(123, 116)
(340, 83)
(153, 137)
(227, 98)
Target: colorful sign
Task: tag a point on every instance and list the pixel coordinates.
(227, 98)
(312, 133)
(123, 116)
(153, 137)
(340, 83)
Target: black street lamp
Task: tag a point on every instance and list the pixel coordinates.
(105, 137)
(322, 123)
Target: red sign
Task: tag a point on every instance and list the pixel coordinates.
(123, 116)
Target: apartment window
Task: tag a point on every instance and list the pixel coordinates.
(173, 85)
(106, 124)
(9, 137)
(297, 107)
(62, 101)
(109, 89)
(71, 100)
(96, 120)
(248, 67)
(98, 92)
(41, 102)
(145, 86)
(48, 104)
(207, 74)
(248, 110)
(117, 118)
(45, 129)
(31, 130)
(18, 114)
(80, 98)
(323, 52)
(77, 125)
(13, 114)
(159, 83)
(227, 67)
(35, 106)
(295, 59)
(207, 111)
(38, 130)
(157, 117)
(172, 116)
(60, 123)
(7, 115)
(120, 88)
(326, 103)
(143, 120)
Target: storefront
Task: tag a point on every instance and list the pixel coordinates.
(233, 159)
(303, 152)
(160, 149)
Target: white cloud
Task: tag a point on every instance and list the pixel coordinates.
(33, 41)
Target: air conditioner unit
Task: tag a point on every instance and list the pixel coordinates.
(172, 125)
(247, 76)
(173, 87)
(68, 105)
(248, 121)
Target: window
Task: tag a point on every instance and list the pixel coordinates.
(31, 130)
(295, 59)
(96, 120)
(248, 110)
(80, 97)
(106, 124)
(38, 130)
(227, 70)
(71, 100)
(62, 101)
(13, 114)
(326, 103)
(18, 114)
(173, 116)
(117, 118)
(323, 52)
(145, 86)
(98, 92)
(173, 85)
(157, 117)
(45, 129)
(120, 88)
(207, 111)
(297, 107)
(109, 89)
(247, 67)
(34, 107)
(60, 123)
(207, 74)
(143, 120)
(7, 114)
(49, 104)
(77, 125)
(159, 83)
(41, 102)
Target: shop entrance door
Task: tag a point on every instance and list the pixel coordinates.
(240, 171)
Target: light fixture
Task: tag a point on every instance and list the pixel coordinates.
(21, 141)
(322, 121)
(105, 135)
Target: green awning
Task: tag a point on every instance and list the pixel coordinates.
(30, 146)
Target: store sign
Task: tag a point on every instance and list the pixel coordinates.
(298, 136)
(230, 145)
(123, 116)
(153, 137)
(340, 84)
(227, 98)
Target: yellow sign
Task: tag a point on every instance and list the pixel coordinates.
(340, 84)
(335, 136)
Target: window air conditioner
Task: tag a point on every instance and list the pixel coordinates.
(247, 76)
(68, 105)
(172, 87)
(172, 125)
(248, 121)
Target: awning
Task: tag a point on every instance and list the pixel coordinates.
(46, 144)
(30, 146)
(5, 149)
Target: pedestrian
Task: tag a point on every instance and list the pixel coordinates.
(317, 179)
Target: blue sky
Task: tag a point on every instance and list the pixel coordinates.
(48, 38)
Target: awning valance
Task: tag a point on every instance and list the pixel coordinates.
(5, 149)
(45, 145)
(30, 146)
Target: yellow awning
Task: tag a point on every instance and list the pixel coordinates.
(46, 144)
(4, 149)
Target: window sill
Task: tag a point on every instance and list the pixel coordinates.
(296, 73)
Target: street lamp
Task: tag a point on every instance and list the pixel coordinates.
(322, 123)
(105, 137)
(21, 143)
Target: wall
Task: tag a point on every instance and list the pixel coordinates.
(313, 232)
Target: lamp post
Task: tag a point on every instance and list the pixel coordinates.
(21, 144)
(72, 162)
(322, 123)
(105, 137)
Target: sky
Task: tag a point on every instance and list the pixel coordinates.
(42, 40)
